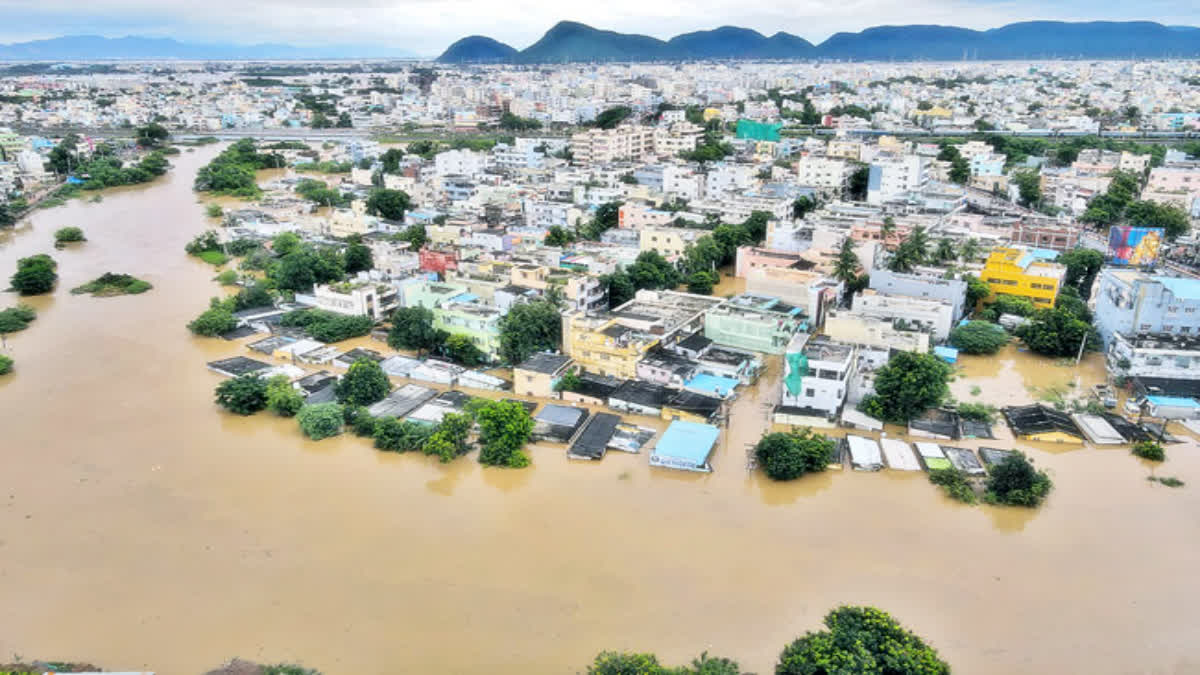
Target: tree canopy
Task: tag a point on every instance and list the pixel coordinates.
(978, 337)
(363, 384)
(388, 204)
(907, 386)
(1015, 482)
(1057, 332)
(412, 328)
(504, 429)
(528, 328)
(860, 640)
(320, 421)
(35, 275)
(787, 456)
(243, 395)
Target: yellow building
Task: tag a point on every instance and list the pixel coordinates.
(710, 113)
(1023, 273)
(605, 346)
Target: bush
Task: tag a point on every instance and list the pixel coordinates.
(1015, 482)
(449, 439)
(978, 337)
(215, 258)
(68, 235)
(980, 412)
(205, 241)
(328, 326)
(244, 395)
(213, 321)
(35, 275)
(320, 421)
(282, 397)
(214, 211)
(16, 319)
(907, 386)
(955, 484)
(393, 435)
(227, 278)
(109, 284)
(1149, 450)
(6, 364)
(787, 456)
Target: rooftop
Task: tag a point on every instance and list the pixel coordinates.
(545, 362)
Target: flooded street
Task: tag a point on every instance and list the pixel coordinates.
(143, 528)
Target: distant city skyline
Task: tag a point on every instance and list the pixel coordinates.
(426, 27)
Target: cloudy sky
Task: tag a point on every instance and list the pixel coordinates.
(426, 27)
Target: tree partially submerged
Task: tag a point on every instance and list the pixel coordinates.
(860, 640)
(243, 395)
(320, 421)
(1015, 482)
(504, 429)
(787, 456)
(907, 386)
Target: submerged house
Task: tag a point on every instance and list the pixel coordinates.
(592, 442)
(1041, 423)
(685, 445)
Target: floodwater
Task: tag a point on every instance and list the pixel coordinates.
(142, 527)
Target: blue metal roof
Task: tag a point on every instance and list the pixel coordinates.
(1184, 289)
(688, 441)
(1175, 401)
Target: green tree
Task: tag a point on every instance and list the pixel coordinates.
(35, 275)
(1068, 299)
(787, 456)
(944, 251)
(1083, 264)
(860, 640)
(1149, 450)
(358, 258)
(449, 440)
(977, 290)
(1172, 219)
(969, 250)
(504, 429)
(528, 328)
(15, 319)
(558, 236)
(390, 160)
(611, 117)
(1015, 482)
(285, 243)
(907, 386)
(1029, 187)
(152, 135)
(214, 321)
(856, 188)
(960, 171)
(6, 364)
(415, 236)
(978, 337)
(802, 206)
(388, 204)
(701, 282)
(67, 235)
(1056, 332)
(620, 288)
(243, 395)
(460, 349)
(617, 663)
(363, 384)
(1011, 304)
(845, 266)
(320, 421)
(282, 397)
(412, 328)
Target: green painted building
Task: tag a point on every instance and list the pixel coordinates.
(478, 322)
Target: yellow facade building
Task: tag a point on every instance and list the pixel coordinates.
(1023, 273)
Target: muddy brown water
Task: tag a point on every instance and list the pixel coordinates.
(142, 527)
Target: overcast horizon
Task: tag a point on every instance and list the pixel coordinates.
(427, 27)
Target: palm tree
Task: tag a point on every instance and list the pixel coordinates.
(920, 244)
(845, 267)
(944, 250)
(888, 227)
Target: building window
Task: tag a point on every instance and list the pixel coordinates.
(810, 393)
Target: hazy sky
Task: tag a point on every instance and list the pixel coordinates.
(425, 27)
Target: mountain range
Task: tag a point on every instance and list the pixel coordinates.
(569, 41)
(90, 47)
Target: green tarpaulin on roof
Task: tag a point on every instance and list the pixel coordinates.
(758, 131)
(797, 369)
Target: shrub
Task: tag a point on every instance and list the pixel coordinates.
(504, 429)
(393, 435)
(6, 364)
(320, 421)
(328, 326)
(213, 322)
(980, 412)
(16, 318)
(109, 284)
(1015, 482)
(954, 483)
(227, 277)
(214, 211)
(282, 397)
(68, 235)
(215, 258)
(244, 395)
(787, 456)
(1149, 450)
(205, 241)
